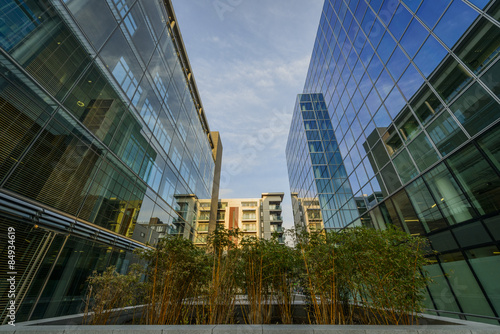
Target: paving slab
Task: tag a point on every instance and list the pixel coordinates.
(287, 329)
(189, 329)
(237, 329)
(338, 329)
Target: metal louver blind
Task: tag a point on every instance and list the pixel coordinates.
(31, 245)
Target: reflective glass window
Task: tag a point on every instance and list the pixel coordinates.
(412, 4)
(410, 82)
(449, 197)
(471, 234)
(475, 109)
(392, 140)
(426, 105)
(490, 143)
(399, 22)
(465, 286)
(395, 102)
(405, 167)
(481, 46)
(386, 47)
(480, 3)
(422, 151)
(384, 84)
(477, 178)
(450, 79)
(440, 291)
(407, 214)
(486, 264)
(142, 35)
(445, 133)
(374, 68)
(443, 241)
(490, 78)
(493, 225)
(430, 55)
(454, 22)
(425, 206)
(380, 154)
(413, 38)
(397, 64)
(95, 19)
(406, 124)
(431, 10)
(376, 33)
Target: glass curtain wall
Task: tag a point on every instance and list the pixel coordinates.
(100, 124)
(413, 99)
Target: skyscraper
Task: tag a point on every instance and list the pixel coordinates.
(101, 128)
(412, 95)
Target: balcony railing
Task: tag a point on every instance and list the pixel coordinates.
(275, 207)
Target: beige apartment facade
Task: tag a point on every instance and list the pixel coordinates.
(253, 217)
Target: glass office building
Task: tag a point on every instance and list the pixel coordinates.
(101, 129)
(413, 95)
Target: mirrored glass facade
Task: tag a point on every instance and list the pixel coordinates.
(412, 93)
(101, 130)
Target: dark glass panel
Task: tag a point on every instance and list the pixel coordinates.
(475, 109)
(392, 140)
(426, 105)
(94, 102)
(471, 234)
(405, 167)
(443, 241)
(493, 225)
(439, 289)
(486, 264)
(422, 151)
(451, 79)
(380, 154)
(477, 178)
(23, 114)
(58, 168)
(465, 285)
(445, 133)
(490, 143)
(407, 214)
(449, 197)
(391, 178)
(490, 78)
(481, 46)
(425, 207)
(406, 124)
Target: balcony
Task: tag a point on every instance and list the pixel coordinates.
(278, 229)
(276, 218)
(275, 207)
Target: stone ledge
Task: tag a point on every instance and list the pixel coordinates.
(475, 328)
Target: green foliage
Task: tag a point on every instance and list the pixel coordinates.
(355, 276)
(364, 275)
(108, 293)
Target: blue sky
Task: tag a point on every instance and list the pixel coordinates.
(250, 60)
